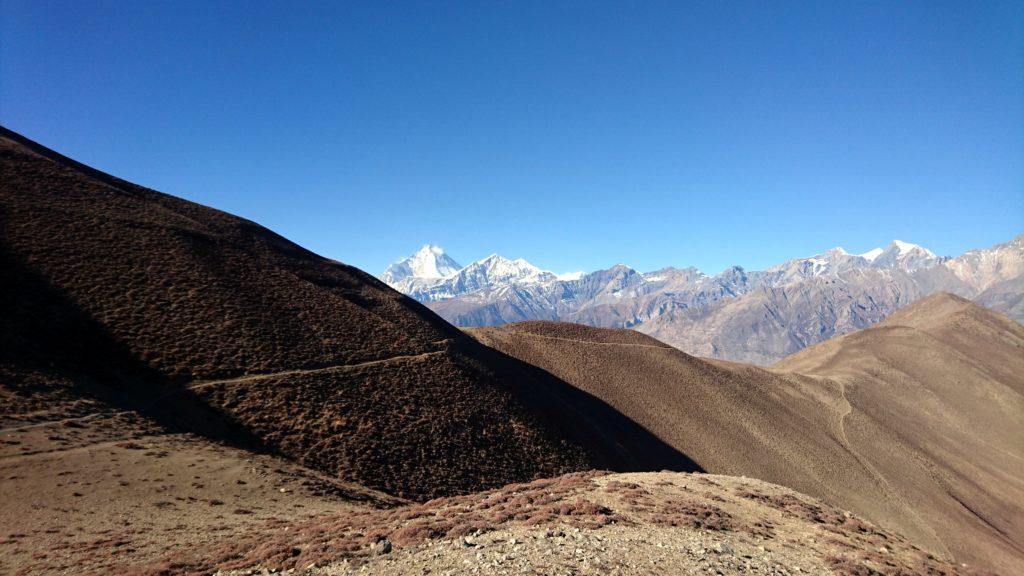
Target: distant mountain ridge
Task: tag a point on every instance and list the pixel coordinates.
(751, 316)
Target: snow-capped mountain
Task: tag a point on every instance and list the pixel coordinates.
(904, 256)
(431, 275)
(429, 263)
(872, 254)
(753, 316)
(829, 263)
(898, 255)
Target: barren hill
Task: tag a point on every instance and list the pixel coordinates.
(915, 424)
(120, 297)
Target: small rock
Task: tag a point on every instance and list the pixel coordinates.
(382, 547)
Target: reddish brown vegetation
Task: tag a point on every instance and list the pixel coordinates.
(351, 535)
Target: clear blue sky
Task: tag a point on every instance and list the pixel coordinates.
(576, 135)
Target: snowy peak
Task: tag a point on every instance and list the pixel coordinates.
(432, 262)
(897, 250)
(497, 270)
(904, 256)
(830, 262)
(429, 263)
(898, 255)
(870, 255)
(908, 248)
(430, 275)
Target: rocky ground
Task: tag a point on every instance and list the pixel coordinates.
(645, 523)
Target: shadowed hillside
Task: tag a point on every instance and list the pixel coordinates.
(916, 423)
(119, 295)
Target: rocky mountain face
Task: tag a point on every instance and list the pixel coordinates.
(428, 264)
(750, 316)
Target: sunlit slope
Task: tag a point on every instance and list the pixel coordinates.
(916, 423)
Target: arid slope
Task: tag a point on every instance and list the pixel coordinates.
(134, 300)
(915, 424)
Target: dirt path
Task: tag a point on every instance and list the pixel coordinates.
(891, 494)
(200, 384)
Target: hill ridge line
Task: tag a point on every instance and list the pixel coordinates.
(631, 344)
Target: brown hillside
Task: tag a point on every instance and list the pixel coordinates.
(915, 424)
(122, 297)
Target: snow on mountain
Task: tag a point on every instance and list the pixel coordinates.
(831, 262)
(905, 256)
(496, 270)
(907, 247)
(805, 299)
(870, 255)
(430, 275)
(897, 256)
(429, 263)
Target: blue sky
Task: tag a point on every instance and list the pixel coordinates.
(576, 135)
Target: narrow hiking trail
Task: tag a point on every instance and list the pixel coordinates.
(199, 384)
(893, 496)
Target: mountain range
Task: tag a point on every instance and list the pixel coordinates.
(746, 316)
